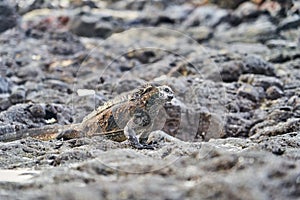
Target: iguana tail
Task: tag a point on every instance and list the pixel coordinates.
(44, 133)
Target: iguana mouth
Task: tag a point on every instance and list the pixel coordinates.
(170, 98)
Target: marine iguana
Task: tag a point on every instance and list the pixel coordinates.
(120, 119)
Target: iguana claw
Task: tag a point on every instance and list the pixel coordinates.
(135, 143)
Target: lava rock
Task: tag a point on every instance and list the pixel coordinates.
(291, 125)
(249, 92)
(37, 110)
(4, 104)
(247, 10)
(173, 14)
(294, 101)
(289, 23)
(103, 30)
(22, 116)
(30, 72)
(8, 16)
(143, 56)
(282, 57)
(63, 43)
(280, 114)
(172, 123)
(205, 16)
(237, 124)
(231, 71)
(94, 26)
(58, 86)
(83, 26)
(261, 81)
(256, 65)
(260, 30)
(227, 3)
(27, 6)
(177, 13)
(239, 43)
(5, 86)
(18, 96)
(200, 34)
(280, 43)
(274, 92)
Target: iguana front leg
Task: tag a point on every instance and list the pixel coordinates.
(131, 135)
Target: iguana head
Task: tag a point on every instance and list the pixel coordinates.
(165, 92)
(150, 92)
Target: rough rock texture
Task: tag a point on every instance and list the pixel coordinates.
(8, 16)
(234, 68)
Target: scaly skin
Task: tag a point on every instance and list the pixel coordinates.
(120, 119)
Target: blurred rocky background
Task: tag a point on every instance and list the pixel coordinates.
(234, 67)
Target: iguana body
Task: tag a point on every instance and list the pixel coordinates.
(120, 119)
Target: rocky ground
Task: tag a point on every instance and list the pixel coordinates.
(234, 68)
